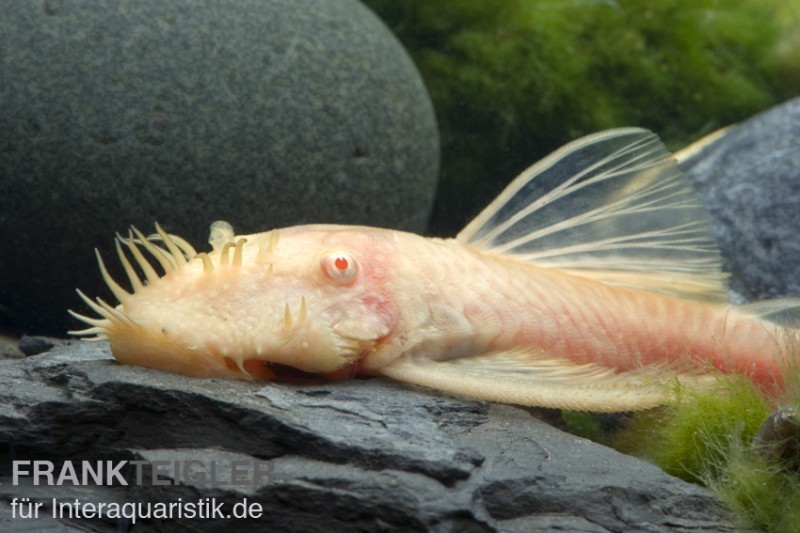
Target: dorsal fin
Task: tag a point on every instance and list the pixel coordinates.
(613, 207)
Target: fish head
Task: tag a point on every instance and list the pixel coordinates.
(311, 298)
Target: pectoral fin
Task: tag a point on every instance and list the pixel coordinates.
(525, 378)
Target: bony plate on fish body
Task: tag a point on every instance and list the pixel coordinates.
(592, 283)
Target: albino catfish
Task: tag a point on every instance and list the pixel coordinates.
(589, 283)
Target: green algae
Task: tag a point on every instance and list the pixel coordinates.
(705, 437)
(691, 437)
(763, 494)
(513, 80)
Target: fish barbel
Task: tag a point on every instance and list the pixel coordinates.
(587, 284)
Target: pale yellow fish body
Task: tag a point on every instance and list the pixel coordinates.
(595, 306)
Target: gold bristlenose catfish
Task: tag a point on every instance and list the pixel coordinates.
(590, 283)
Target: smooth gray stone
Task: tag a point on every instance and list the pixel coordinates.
(263, 113)
(749, 179)
(357, 455)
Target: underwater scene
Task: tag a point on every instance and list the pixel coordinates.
(379, 265)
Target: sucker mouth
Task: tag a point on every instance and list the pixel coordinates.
(277, 372)
(291, 374)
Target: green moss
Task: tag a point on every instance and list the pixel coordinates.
(512, 80)
(705, 436)
(586, 425)
(763, 494)
(692, 436)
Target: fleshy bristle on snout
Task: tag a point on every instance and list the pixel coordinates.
(174, 254)
(99, 327)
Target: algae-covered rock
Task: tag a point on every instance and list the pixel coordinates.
(512, 81)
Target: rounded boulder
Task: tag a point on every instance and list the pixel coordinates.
(264, 114)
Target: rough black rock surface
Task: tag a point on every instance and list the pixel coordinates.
(749, 179)
(359, 455)
(262, 113)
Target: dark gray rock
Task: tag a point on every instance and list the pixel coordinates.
(36, 345)
(262, 113)
(359, 455)
(749, 179)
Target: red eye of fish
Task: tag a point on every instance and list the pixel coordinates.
(340, 267)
